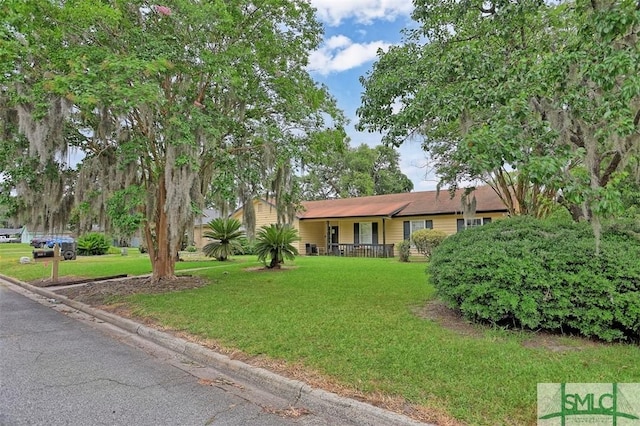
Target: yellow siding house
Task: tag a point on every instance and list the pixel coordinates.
(372, 226)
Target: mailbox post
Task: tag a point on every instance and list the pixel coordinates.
(56, 262)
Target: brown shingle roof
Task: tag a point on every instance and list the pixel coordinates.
(398, 205)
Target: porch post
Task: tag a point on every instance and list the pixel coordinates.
(327, 237)
(384, 238)
(384, 232)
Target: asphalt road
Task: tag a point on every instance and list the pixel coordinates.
(62, 367)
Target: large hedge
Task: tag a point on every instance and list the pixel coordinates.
(534, 274)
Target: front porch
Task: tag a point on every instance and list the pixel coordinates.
(353, 237)
(361, 250)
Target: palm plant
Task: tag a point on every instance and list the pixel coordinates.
(274, 242)
(226, 234)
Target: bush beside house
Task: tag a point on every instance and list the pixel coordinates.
(404, 250)
(533, 274)
(426, 240)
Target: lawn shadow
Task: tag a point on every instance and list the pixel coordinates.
(453, 320)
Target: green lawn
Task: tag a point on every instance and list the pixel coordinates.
(352, 320)
(134, 263)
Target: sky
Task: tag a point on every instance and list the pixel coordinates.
(354, 31)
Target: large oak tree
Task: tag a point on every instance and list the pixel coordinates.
(535, 98)
(160, 100)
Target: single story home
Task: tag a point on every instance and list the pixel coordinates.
(372, 226)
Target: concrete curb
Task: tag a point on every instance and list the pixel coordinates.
(295, 391)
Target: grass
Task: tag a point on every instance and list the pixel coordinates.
(134, 263)
(352, 321)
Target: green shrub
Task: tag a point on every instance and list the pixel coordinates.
(225, 234)
(191, 249)
(275, 242)
(247, 246)
(536, 274)
(114, 250)
(93, 244)
(426, 240)
(559, 215)
(404, 250)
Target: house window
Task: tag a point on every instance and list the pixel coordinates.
(470, 223)
(411, 226)
(473, 222)
(366, 233)
(421, 224)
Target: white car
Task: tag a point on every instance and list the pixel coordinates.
(5, 239)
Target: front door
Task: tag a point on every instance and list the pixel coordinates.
(335, 249)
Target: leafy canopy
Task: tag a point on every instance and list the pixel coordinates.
(530, 97)
(178, 101)
(355, 172)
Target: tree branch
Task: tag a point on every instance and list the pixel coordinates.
(613, 166)
(576, 137)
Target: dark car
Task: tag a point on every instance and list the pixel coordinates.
(44, 247)
(41, 242)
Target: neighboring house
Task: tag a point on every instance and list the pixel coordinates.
(26, 236)
(372, 226)
(14, 234)
(200, 227)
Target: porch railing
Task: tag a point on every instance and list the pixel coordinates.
(361, 250)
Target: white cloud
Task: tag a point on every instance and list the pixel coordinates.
(340, 53)
(336, 42)
(333, 12)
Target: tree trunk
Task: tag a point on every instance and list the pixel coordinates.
(577, 213)
(503, 190)
(163, 259)
(275, 263)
